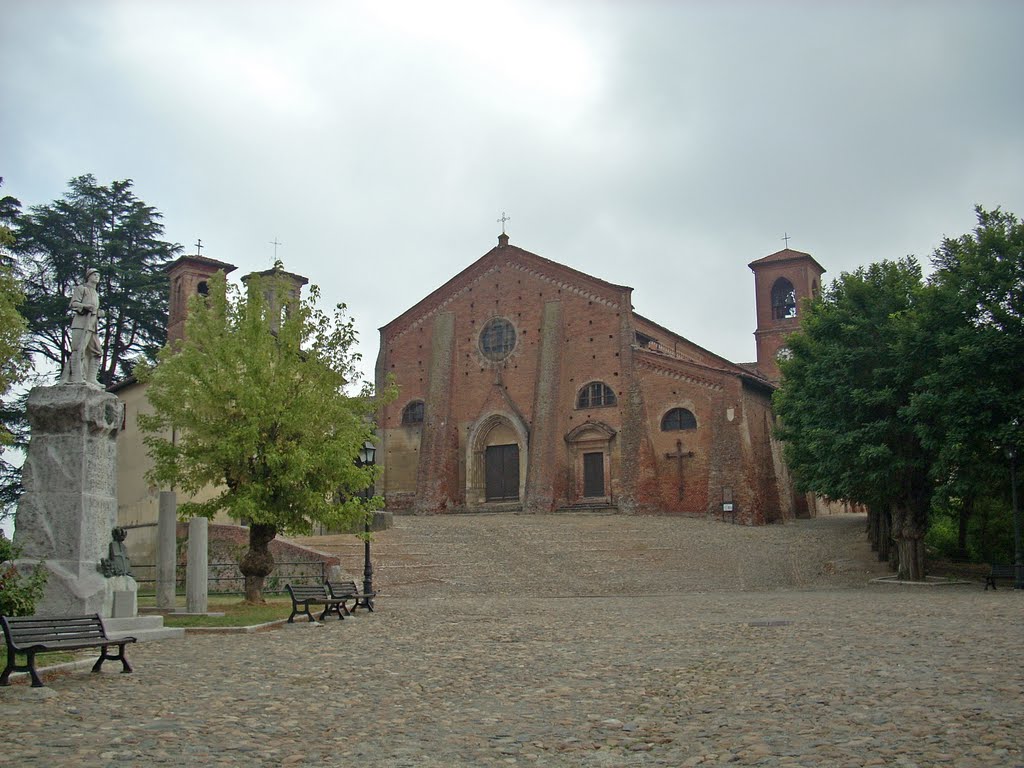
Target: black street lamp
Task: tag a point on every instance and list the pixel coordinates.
(366, 459)
(1018, 562)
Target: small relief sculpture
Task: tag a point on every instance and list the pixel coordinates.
(117, 564)
(83, 364)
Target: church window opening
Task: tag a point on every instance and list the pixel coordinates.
(596, 394)
(498, 339)
(783, 300)
(203, 289)
(678, 419)
(413, 413)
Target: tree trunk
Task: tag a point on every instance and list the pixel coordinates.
(966, 509)
(873, 526)
(909, 527)
(884, 534)
(258, 562)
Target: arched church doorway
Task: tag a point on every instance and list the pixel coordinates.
(497, 460)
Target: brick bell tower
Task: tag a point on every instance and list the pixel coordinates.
(782, 281)
(188, 276)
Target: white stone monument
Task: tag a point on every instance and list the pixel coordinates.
(69, 508)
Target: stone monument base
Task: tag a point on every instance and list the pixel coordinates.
(69, 508)
(122, 598)
(73, 587)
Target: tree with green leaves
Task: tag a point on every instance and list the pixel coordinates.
(253, 404)
(969, 407)
(106, 227)
(843, 399)
(13, 363)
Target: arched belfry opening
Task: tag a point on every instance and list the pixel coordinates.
(783, 300)
(496, 460)
(782, 282)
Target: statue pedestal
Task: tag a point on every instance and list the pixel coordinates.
(122, 598)
(69, 507)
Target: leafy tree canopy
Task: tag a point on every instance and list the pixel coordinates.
(253, 403)
(101, 226)
(843, 394)
(900, 392)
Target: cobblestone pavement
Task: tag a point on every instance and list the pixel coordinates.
(610, 641)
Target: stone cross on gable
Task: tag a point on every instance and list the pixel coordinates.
(199, 247)
(502, 221)
(275, 243)
(679, 455)
(785, 236)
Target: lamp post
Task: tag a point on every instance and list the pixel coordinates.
(1018, 563)
(366, 459)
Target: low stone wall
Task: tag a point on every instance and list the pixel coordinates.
(227, 544)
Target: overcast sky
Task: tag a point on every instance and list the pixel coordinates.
(660, 145)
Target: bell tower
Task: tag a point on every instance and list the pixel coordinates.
(782, 281)
(188, 276)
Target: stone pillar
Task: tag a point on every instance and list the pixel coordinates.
(166, 549)
(197, 572)
(69, 507)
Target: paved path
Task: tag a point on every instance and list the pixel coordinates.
(463, 672)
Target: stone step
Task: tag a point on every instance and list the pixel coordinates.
(142, 628)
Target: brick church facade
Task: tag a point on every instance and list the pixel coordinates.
(527, 385)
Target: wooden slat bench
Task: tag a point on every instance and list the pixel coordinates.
(347, 590)
(304, 595)
(1000, 571)
(30, 635)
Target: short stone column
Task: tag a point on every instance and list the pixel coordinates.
(198, 570)
(69, 507)
(166, 550)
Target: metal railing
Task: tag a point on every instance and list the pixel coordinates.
(226, 578)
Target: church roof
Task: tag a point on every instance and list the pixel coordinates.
(508, 254)
(204, 260)
(786, 254)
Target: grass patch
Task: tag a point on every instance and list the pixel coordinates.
(236, 613)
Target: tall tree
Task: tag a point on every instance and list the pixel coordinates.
(13, 362)
(253, 405)
(970, 406)
(109, 228)
(842, 399)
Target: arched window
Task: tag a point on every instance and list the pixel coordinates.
(594, 395)
(783, 300)
(677, 419)
(497, 339)
(413, 413)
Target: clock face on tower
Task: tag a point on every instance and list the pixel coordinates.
(784, 353)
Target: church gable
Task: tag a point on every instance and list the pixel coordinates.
(513, 261)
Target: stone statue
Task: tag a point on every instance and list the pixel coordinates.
(117, 564)
(83, 364)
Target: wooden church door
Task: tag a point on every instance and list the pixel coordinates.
(593, 474)
(502, 472)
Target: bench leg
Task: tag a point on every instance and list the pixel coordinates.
(296, 612)
(31, 664)
(119, 656)
(11, 665)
